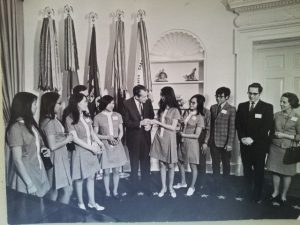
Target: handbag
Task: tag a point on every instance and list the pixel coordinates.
(292, 154)
(47, 161)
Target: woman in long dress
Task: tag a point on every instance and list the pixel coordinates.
(59, 175)
(85, 162)
(109, 127)
(164, 146)
(189, 149)
(286, 131)
(27, 174)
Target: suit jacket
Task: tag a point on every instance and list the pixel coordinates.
(256, 124)
(222, 125)
(131, 116)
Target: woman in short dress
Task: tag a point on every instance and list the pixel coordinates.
(189, 149)
(59, 175)
(85, 162)
(27, 174)
(164, 146)
(109, 127)
(287, 130)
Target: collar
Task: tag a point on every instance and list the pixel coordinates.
(223, 104)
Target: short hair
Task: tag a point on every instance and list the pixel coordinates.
(104, 101)
(79, 88)
(223, 90)
(256, 85)
(292, 99)
(137, 89)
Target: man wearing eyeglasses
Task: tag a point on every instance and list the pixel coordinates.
(222, 131)
(253, 122)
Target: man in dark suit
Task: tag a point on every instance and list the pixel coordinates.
(137, 113)
(222, 131)
(253, 122)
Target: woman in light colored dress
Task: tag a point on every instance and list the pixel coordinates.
(85, 162)
(27, 174)
(189, 149)
(164, 146)
(286, 130)
(59, 175)
(109, 127)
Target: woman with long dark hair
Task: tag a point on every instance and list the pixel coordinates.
(189, 151)
(59, 176)
(164, 146)
(28, 174)
(109, 127)
(85, 162)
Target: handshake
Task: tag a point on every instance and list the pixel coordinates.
(147, 124)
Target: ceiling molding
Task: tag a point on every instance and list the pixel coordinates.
(241, 6)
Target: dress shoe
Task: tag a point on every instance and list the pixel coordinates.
(162, 192)
(81, 206)
(190, 191)
(96, 206)
(173, 193)
(179, 185)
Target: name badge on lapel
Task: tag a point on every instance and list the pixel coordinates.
(258, 116)
(295, 119)
(223, 111)
(115, 118)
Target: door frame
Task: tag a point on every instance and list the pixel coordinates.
(245, 39)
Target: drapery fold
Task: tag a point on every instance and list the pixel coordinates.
(12, 51)
(50, 73)
(119, 81)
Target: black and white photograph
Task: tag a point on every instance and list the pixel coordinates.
(136, 111)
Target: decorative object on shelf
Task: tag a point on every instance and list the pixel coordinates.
(50, 78)
(191, 76)
(70, 51)
(162, 76)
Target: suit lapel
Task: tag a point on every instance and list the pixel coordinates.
(226, 106)
(134, 106)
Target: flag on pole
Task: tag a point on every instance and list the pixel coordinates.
(70, 55)
(119, 81)
(93, 81)
(143, 73)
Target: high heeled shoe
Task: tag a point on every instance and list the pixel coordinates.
(81, 206)
(162, 192)
(96, 206)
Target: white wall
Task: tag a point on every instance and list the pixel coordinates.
(208, 19)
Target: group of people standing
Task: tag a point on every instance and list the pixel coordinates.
(81, 142)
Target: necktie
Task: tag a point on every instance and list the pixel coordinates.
(251, 107)
(141, 109)
(218, 109)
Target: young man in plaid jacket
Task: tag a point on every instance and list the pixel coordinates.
(222, 131)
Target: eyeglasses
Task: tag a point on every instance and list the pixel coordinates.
(252, 93)
(220, 96)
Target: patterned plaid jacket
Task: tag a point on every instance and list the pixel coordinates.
(222, 125)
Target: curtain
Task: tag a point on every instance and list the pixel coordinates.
(12, 58)
(12, 49)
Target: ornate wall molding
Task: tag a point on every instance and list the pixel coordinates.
(177, 45)
(240, 6)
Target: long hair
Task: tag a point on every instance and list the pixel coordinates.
(21, 108)
(72, 108)
(199, 99)
(104, 101)
(169, 100)
(48, 102)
